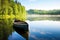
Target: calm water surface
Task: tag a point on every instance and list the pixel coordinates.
(40, 30)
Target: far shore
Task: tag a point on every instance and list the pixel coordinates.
(36, 15)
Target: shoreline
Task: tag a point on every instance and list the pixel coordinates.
(36, 15)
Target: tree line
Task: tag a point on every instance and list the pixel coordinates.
(44, 12)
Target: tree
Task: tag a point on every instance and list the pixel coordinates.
(11, 7)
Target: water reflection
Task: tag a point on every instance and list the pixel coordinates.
(15, 36)
(7, 32)
(44, 30)
(38, 30)
(5, 28)
(44, 18)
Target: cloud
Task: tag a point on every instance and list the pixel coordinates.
(34, 37)
(42, 33)
(34, 30)
(32, 0)
(45, 32)
(48, 32)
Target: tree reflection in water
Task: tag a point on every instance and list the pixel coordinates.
(5, 28)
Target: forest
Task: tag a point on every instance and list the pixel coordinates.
(12, 9)
(44, 12)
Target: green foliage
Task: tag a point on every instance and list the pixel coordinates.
(12, 8)
(6, 28)
(44, 12)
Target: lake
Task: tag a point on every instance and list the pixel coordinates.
(40, 30)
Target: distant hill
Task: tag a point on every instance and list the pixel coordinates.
(44, 12)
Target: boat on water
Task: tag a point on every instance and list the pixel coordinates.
(21, 27)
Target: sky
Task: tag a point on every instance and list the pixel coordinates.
(40, 4)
